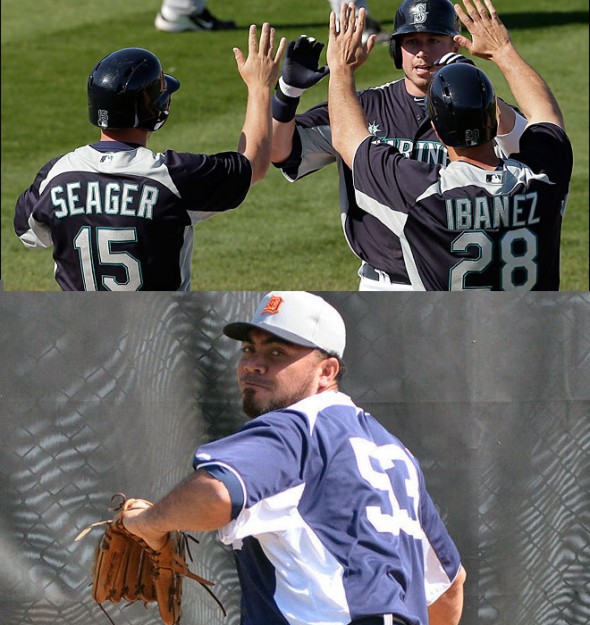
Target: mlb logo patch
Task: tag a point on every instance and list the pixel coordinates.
(496, 178)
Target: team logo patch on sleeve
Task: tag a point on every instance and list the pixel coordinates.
(273, 305)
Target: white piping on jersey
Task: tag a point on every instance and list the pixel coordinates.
(460, 174)
(395, 221)
(186, 253)
(85, 158)
(309, 579)
(205, 464)
(383, 86)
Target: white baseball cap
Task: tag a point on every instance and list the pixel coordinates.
(298, 317)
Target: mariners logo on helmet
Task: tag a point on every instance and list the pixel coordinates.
(425, 16)
(420, 13)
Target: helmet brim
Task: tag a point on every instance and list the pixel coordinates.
(172, 84)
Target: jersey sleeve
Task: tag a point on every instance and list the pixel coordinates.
(266, 456)
(546, 149)
(30, 231)
(441, 558)
(210, 183)
(312, 144)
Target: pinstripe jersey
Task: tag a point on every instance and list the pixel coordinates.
(394, 117)
(120, 217)
(335, 522)
(464, 227)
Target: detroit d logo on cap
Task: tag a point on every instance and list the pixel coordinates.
(273, 305)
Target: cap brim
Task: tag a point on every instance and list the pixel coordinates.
(240, 330)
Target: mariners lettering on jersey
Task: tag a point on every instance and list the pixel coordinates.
(424, 151)
(112, 198)
(486, 213)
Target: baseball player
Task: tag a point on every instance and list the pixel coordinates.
(421, 43)
(482, 222)
(176, 16)
(119, 216)
(327, 512)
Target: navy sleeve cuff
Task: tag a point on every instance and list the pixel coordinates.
(233, 485)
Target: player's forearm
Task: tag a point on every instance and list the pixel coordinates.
(199, 503)
(447, 609)
(532, 94)
(347, 119)
(256, 137)
(282, 140)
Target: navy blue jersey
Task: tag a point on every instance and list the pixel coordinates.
(335, 522)
(120, 217)
(395, 118)
(464, 227)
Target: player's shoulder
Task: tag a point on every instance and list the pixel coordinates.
(543, 131)
(545, 145)
(390, 88)
(322, 407)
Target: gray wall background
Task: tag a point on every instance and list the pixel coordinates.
(101, 394)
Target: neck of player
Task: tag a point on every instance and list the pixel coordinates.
(481, 155)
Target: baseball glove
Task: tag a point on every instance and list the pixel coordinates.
(125, 567)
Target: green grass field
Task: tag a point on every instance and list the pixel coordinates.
(284, 235)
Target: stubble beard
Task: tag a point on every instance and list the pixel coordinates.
(254, 407)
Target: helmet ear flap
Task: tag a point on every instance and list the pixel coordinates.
(395, 52)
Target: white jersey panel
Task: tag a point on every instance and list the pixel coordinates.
(307, 574)
(141, 161)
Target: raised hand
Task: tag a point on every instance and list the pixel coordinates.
(345, 47)
(262, 66)
(488, 33)
(301, 65)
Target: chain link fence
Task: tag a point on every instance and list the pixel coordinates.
(103, 394)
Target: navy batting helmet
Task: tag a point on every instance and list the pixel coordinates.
(422, 16)
(128, 89)
(462, 105)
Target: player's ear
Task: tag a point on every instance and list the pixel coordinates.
(329, 369)
(456, 46)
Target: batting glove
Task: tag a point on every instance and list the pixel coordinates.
(453, 57)
(300, 71)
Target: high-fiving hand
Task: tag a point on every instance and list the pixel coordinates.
(488, 33)
(301, 65)
(345, 46)
(262, 66)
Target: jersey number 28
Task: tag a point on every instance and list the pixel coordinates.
(513, 264)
